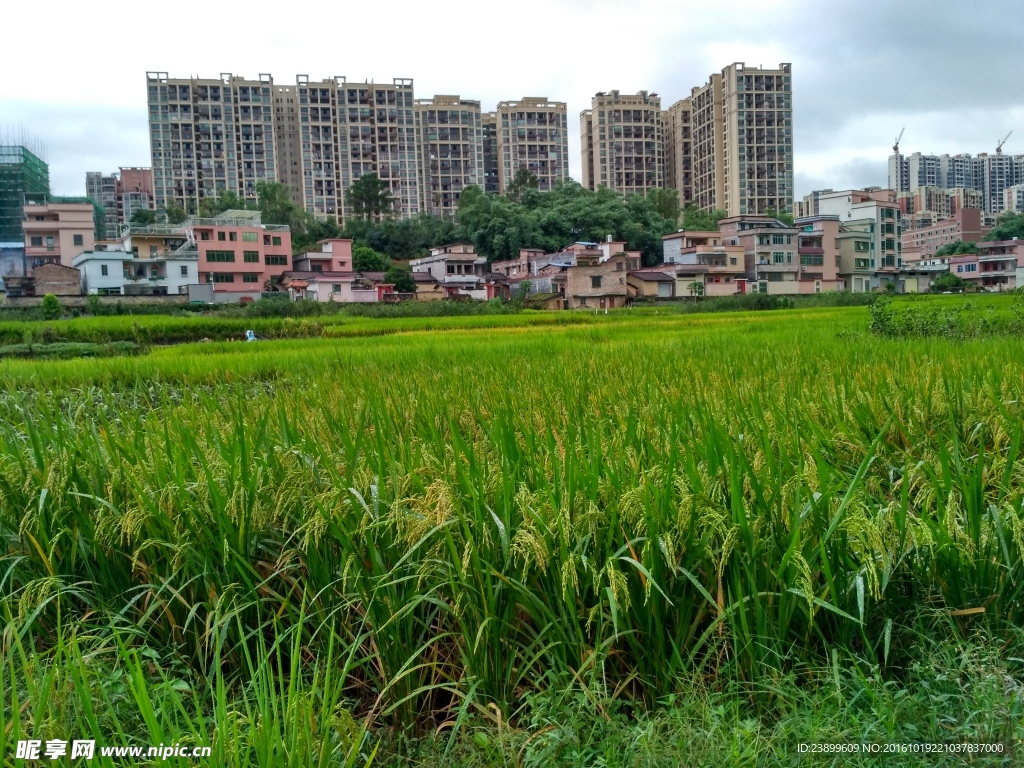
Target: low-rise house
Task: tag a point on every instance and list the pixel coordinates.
(56, 279)
(56, 232)
(651, 284)
(675, 243)
(460, 272)
(966, 267)
(1000, 264)
(596, 280)
(819, 251)
(103, 272)
(770, 251)
(333, 255)
(427, 287)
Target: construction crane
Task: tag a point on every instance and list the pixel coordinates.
(896, 146)
(999, 146)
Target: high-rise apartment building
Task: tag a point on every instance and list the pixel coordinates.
(449, 139)
(742, 122)
(990, 175)
(210, 135)
(347, 130)
(1013, 198)
(532, 133)
(621, 140)
(489, 127)
(676, 127)
(120, 194)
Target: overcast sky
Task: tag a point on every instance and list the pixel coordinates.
(951, 72)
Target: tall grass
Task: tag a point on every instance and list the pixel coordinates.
(433, 528)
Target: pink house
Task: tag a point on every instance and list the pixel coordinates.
(1001, 264)
(239, 253)
(966, 266)
(333, 255)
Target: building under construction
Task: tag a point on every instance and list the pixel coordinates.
(24, 178)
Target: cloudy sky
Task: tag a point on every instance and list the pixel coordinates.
(951, 72)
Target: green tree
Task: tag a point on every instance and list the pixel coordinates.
(521, 182)
(957, 248)
(365, 259)
(1008, 226)
(401, 278)
(370, 197)
(948, 282)
(696, 289)
(785, 218)
(225, 200)
(701, 220)
(175, 213)
(143, 217)
(51, 307)
(666, 202)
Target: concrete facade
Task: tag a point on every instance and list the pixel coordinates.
(743, 141)
(449, 139)
(57, 232)
(965, 224)
(532, 133)
(622, 145)
(677, 134)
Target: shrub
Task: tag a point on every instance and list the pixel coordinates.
(51, 307)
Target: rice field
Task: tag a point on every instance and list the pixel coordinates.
(406, 536)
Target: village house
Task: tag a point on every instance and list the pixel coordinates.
(334, 255)
(596, 280)
(56, 279)
(1001, 264)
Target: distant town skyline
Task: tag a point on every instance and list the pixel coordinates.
(858, 77)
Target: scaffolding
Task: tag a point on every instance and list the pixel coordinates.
(24, 178)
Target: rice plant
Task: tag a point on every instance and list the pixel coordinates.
(309, 541)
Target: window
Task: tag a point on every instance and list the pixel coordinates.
(251, 257)
(778, 257)
(103, 269)
(316, 267)
(204, 235)
(250, 277)
(778, 240)
(221, 236)
(276, 260)
(78, 240)
(233, 236)
(249, 237)
(220, 256)
(49, 241)
(583, 301)
(37, 241)
(152, 251)
(732, 261)
(595, 281)
(220, 277)
(184, 270)
(276, 240)
(336, 287)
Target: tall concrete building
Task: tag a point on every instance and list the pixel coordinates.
(449, 140)
(120, 194)
(676, 128)
(532, 133)
(489, 127)
(742, 122)
(990, 175)
(353, 129)
(208, 136)
(622, 145)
